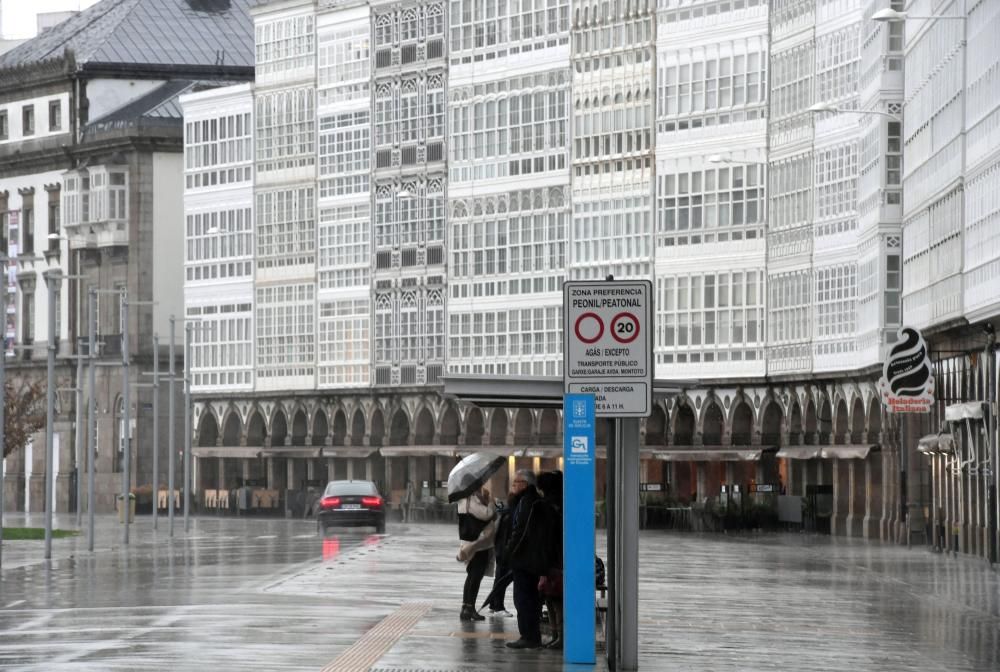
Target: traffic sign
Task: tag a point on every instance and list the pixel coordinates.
(608, 347)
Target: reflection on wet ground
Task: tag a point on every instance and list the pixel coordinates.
(275, 595)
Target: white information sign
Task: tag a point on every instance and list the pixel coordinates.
(608, 345)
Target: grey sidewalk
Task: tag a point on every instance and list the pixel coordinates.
(272, 595)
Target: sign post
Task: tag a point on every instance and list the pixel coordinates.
(578, 528)
(608, 352)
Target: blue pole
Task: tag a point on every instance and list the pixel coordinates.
(579, 604)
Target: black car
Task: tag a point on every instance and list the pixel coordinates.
(351, 503)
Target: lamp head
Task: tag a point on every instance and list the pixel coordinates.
(887, 15)
(823, 107)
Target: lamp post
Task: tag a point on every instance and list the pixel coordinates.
(820, 108)
(893, 15)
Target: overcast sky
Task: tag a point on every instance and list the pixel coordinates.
(19, 18)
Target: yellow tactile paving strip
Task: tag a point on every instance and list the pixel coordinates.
(375, 643)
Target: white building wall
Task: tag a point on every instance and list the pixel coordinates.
(509, 201)
(711, 110)
(218, 248)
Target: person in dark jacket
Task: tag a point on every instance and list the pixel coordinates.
(525, 554)
(502, 577)
(551, 585)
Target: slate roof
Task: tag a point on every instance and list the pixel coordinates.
(159, 106)
(148, 32)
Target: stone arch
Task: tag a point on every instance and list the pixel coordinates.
(321, 428)
(498, 427)
(656, 425)
(279, 428)
(522, 427)
(377, 434)
(811, 428)
(858, 422)
(684, 425)
(742, 424)
(474, 427)
(300, 428)
(548, 426)
(424, 428)
(825, 419)
(795, 424)
(449, 426)
(841, 422)
(874, 419)
(208, 429)
(340, 427)
(358, 428)
(713, 424)
(399, 429)
(256, 429)
(770, 424)
(231, 429)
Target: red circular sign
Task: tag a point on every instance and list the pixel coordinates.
(625, 327)
(588, 317)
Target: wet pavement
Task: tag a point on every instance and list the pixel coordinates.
(271, 594)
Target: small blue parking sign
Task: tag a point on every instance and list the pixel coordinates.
(579, 603)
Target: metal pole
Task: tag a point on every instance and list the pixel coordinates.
(91, 413)
(127, 430)
(50, 412)
(628, 589)
(156, 426)
(170, 435)
(187, 426)
(79, 436)
(611, 509)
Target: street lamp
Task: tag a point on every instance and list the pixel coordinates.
(893, 15)
(820, 108)
(719, 158)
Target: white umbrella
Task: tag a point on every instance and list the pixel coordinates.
(471, 473)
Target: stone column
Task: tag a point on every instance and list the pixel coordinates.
(13, 482)
(36, 479)
(64, 449)
(700, 480)
(869, 523)
(330, 470)
(837, 519)
(272, 477)
(350, 469)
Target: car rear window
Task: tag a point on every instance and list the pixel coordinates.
(351, 488)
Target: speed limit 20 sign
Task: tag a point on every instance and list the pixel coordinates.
(608, 345)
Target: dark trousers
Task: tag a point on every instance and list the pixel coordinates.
(474, 572)
(501, 580)
(528, 603)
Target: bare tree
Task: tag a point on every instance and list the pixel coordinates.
(24, 413)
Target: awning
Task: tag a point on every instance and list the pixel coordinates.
(239, 452)
(416, 451)
(799, 452)
(847, 452)
(645, 453)
(710, 455)
(291, 451)
(969, 410)
(355, 452)
(936, 443)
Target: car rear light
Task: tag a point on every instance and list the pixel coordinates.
(329, 502)
(375, 502)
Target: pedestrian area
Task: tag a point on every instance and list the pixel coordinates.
(270, 594)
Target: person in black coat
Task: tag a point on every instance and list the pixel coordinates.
(526, 555)
(502, 576)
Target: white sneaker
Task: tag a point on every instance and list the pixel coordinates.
(500, 613)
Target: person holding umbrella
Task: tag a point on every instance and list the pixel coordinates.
(476, 525)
